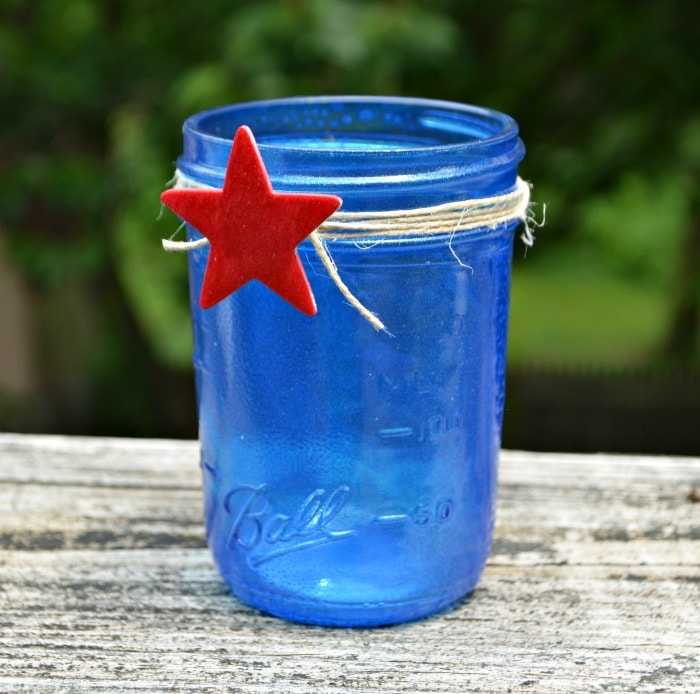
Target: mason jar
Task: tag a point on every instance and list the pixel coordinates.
(350, 473)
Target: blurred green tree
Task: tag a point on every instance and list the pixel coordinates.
(95, 91)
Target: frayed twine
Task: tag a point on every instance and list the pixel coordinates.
(368, 229)
(530, 222)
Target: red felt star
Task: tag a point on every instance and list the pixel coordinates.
(253, 231)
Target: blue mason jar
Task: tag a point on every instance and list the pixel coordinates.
(350, 474)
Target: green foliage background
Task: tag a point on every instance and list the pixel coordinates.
(94, 93)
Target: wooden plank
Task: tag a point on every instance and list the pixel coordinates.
(98, 462)
(106, 584)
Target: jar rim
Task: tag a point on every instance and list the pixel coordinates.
(464, 126)
(374, 152)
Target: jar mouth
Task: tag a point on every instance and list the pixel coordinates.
(355, 145)
(372, 125)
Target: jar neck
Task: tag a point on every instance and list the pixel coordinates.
(375, 153)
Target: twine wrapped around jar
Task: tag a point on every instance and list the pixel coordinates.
(376, 227)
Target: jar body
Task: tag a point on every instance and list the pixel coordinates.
(349, 474)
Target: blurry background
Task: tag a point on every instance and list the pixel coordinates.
(94, 321)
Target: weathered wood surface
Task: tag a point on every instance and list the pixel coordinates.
(106, 585)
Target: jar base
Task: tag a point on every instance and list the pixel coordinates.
(357, 615)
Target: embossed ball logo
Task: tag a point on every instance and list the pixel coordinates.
(265, 534)
(262, 533)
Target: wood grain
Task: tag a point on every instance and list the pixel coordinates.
(106, 585)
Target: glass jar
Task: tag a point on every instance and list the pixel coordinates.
(350, 474)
